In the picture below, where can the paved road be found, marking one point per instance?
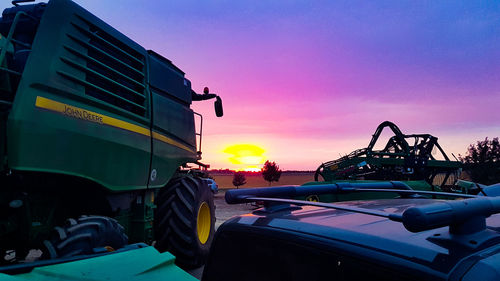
(224, 211)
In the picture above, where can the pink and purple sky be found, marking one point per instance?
(310, 80)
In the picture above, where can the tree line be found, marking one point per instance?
(270, 172)
(482, 161)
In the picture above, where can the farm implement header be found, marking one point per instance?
(404, 157)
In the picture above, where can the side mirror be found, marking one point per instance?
(219, 112)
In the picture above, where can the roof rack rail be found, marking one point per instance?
(291, 191)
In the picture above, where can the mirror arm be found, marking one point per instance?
(197, 97)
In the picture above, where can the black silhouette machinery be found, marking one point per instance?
(404, 157)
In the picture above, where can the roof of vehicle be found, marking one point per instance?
(433, 250)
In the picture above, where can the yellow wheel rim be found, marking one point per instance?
(204, 222)
(312, 198)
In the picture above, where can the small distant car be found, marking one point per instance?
(212, 184)
(407, 238)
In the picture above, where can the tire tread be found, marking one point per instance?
(81, 236)
(175, 220)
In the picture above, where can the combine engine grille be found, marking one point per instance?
(115, 73)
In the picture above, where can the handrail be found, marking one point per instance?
(9, 39)
(198, 150)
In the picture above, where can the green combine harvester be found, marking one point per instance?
(96, 138)
(417, 160)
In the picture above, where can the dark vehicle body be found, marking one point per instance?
(284, 241)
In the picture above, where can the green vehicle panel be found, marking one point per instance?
(138, 264)
(92, 72)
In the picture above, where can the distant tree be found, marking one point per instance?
(271, 172)
(239, 179)
(482, 161)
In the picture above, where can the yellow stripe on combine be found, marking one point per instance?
(90, 116)
(165, 139)
(83, 114)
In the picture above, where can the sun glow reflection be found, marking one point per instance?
(250, 157)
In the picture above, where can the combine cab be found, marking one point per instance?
(96, 138)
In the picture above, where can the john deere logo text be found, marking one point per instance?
(82, 114)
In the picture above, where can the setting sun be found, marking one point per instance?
(249, 156)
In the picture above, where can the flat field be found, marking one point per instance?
(225, 181)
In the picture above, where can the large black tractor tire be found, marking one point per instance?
(185, 220)
(82, 236)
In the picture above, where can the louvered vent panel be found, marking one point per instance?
(114, 71)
